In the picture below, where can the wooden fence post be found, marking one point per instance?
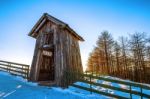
(15, 68)
(141, 92)
(22, 71)
(90, 84)
(27, 71)
(8, 68)
(86, 72)
(130, 92)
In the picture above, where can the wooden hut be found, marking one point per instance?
(57, 55)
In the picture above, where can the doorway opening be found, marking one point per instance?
(47, 71)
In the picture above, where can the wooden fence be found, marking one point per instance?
(89, 79)
(15, 68)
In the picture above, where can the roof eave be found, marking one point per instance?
(31, 33)
(74, 33)
(46, 16)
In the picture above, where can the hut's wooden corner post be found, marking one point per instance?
(67, 78)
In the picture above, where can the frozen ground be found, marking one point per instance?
(12, 87)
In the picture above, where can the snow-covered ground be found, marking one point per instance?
(127, 95)
(13, 87)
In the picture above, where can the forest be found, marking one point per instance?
(127, 57)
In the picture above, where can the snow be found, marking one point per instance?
(14, 87)
(119, 86)
(115, 85)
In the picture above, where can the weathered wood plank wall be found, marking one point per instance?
(67, 57)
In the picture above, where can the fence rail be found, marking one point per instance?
(15, 68)
(88, 78)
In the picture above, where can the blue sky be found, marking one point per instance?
(87, 17)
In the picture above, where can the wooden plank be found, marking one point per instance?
(17, 74)
(24, 75)
(22, 70)
(8, 69)
(116, 88)
(14, 63)
(4, 68)
(100, 92)
(118, 81)
(14, 67)
(66, 58)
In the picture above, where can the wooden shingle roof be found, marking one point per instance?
(42, 20)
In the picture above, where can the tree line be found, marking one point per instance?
(127, 57)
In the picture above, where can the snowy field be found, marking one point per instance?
(13, 87)
(127, 95)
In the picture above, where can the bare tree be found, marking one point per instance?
(138, 44)
(89, 63)
(105, 43)
(117, 57)
(124, 59)
(129, 59)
